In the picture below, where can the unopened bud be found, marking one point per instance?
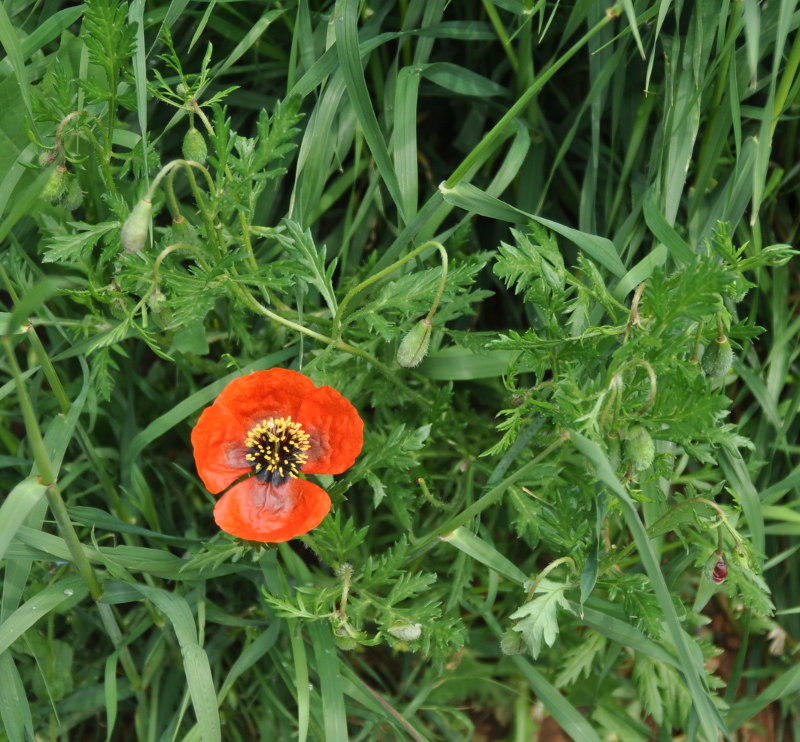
(614, 450)
(73, 198)
(194, 146)
(405, 631)
(639, 448)
(720, 570)
(512, 642)
(414, 346)
(56, 184)
(137, 225)
(717, 359)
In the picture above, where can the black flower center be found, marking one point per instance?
(276, 449)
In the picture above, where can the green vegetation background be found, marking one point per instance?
(532, 534)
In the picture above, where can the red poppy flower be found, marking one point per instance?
(273, 425)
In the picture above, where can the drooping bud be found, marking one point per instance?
(73, 198)
(194, 146)
(720, 570)
(345, 636)
(639, 448)
(46, 157)
(137, 225)
(56, 184)
(717, 359)
(405, 631)
(414, 346)
(512, 642)
(614, 450)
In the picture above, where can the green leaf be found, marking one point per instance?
(537, 620)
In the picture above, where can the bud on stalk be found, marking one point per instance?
(137, 225)
(414, 346)
(194, 146)
(639, 447)
(717, 359)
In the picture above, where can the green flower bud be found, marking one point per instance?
(717, 359)
(46, 157)
(137, 225)
(405, 631)
(614, 450)
(73, 198)
(639, 448)
(194, 146)
(56, 184)
(345, 636)
(414, 346)
(512, 642)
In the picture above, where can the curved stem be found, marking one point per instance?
(547, 570)
(337, 320)
(339, 344)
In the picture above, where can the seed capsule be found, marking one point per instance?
(720, 570)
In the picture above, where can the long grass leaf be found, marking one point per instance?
(691, 662)
(69, 590)
(334, 712)
(346, 31)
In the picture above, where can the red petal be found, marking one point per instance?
(277, 392)
(218, 441)
(336, 430)
(218, 437)
(256, 511)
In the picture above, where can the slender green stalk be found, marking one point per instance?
(48, 478)
(337, 320)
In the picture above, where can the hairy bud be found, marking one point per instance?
(717, 359)
(137, 225)
(194, 146)
(639, 448)
(414, 346)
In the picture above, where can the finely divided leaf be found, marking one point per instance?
(539, 622)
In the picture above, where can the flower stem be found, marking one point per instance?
(47, 477)
(337, 320)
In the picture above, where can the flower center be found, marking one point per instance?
(276, 449)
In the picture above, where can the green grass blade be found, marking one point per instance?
(334, 712)
(69, 590)
(15, 508)
(195, 660)
(346, 31)
(691, 661)
(474, 200)
(404, 139)
(15, 711)
(483, 552)
(10, 42)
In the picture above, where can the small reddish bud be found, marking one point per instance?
(720, 570)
